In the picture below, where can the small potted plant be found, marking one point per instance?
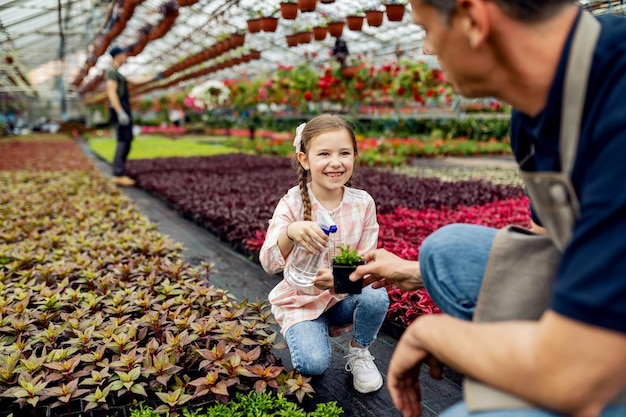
(289, 9)
(395, 10)
(254, 21)
(355, 21)
(343, 265)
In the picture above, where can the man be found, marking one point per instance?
(572, 361)
(120, 113)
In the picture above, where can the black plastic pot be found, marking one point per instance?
(342, 283)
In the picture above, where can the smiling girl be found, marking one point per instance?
(326, 152)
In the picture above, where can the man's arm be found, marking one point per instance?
(112, 95)
(142, 79)
(557, 363)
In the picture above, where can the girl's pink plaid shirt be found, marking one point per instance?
(356, 226)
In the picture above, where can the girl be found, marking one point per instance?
(326, 152)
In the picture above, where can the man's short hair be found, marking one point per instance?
(523, 10)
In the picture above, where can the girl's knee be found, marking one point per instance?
(312, 363)
(375, 299)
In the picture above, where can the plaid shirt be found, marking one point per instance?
(356, 226)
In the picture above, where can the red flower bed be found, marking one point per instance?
(403, 231)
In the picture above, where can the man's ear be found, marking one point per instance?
(475, 22)
(304, 161)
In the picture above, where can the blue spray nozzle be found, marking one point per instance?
(331, 229)
(326, 222)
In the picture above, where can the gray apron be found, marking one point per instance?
(522, 265)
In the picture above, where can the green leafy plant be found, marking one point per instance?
(252, 403)
(347, 256)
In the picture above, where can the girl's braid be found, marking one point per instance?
(304, 192)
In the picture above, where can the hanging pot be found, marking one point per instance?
(304, 37)
(307, 5)
(254, 25)
(237, 39)
(374, 17)
(319, 33)
(289, 10)
(292, 40)
(355, 22)
(269, 24)
(336, 28)
(395, 12)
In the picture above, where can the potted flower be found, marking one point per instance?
(292, 40)
(374, 17)
(355, 21)
(335, 28)
(307, 5)
(269, 23)
(320, 32)
(289, 9)
(343, 265)
(395, 10)
(254, 21)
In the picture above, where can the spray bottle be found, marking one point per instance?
(304, 265)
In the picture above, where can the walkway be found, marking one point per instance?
(246, 279)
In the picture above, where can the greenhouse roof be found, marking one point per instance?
(67, 40)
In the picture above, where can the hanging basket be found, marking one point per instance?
(374, 17)
(304, 37)
(395, 12)
(355, 22)
(289, 11)
(269, 24)
(307, 5)
(236, 40)
(292, 40)
(319, 33)
(335, 28)
(254, 25)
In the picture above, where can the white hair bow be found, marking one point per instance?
(297, 141)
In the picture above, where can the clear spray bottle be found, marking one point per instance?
(303, 266)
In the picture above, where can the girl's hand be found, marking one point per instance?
(307, 234)
(324, 279)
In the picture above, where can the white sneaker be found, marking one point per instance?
(365, 375)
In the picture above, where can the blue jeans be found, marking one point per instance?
(309, 342)
(452, 262)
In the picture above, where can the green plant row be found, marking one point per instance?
(252, 404)
(403, 127)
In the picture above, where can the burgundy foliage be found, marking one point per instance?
(234, 195)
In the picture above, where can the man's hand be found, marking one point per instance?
(122, 118)
(404, 372)
(384, 268)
